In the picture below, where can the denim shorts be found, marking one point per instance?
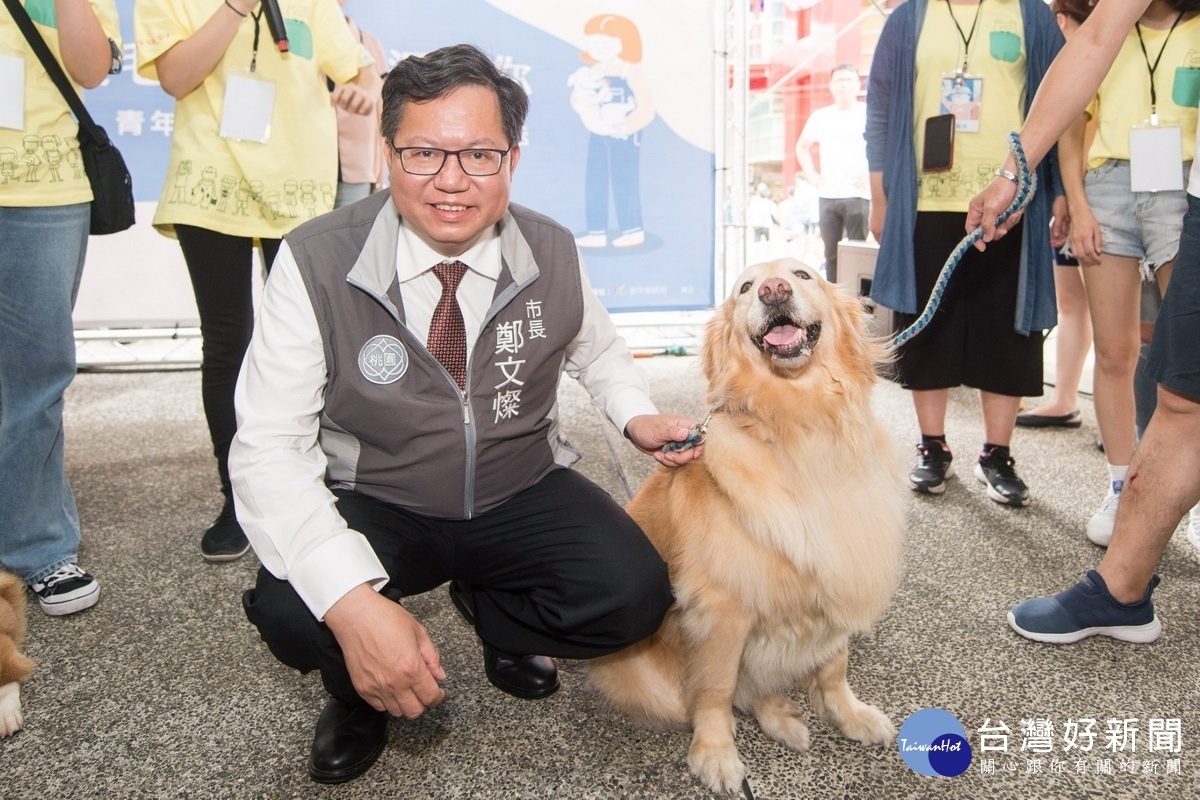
(1141, 225)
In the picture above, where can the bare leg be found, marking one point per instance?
(1163, 483)
(999, 416)
(930, 405)
(1072, 341)
(1113, 296)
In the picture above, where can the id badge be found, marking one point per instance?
(12, 92)
(962, 96)
(1155, 158)
(249, 105)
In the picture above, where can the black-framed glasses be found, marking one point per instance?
(478, 162)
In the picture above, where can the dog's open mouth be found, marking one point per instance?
(784, 337)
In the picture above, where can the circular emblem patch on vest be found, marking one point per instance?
(383, 360)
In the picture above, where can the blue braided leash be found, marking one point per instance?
(1026, 186)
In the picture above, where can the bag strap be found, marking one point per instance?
(55, 71)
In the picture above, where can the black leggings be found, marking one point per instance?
(220, 268)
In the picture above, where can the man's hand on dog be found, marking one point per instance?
(649, 432)
(393, 663)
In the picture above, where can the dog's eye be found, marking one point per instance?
(802, 275)
(745, 287)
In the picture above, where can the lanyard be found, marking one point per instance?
(254, 56)
(966, 37)
(1154, 66)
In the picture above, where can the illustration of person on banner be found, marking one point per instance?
(612, 98)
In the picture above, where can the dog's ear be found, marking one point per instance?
(719, 355)
(867, 352)
(716, 347)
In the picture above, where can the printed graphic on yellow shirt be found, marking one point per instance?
(205, 189)
(48, 158)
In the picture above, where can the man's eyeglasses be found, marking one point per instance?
(478, 162)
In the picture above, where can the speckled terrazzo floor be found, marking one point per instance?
(164, 690)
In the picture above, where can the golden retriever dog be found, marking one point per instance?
(782, 541)
(14, 667)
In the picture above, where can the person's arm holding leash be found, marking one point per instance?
(603, 365)
(1070, 83)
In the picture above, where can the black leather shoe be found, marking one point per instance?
(527, 677)
(348, 740)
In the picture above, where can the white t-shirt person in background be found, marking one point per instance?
(843, 186)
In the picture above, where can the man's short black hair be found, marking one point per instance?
(419, 79)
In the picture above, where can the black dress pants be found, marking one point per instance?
(558, 570)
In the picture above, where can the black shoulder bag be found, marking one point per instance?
(112, 188)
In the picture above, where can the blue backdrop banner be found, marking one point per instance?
(618, 145)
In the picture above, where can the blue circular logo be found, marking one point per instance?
(933, 742)
(383, 360)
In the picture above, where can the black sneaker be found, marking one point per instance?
(1003, 485)
(224, 540)
(932, 469)
(66, 590)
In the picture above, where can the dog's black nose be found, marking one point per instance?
(774, 291)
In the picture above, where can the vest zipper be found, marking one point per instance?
(469, 433)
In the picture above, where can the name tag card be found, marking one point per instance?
(962, 96)
(12, 93)
(249, 105)
(1155, 159)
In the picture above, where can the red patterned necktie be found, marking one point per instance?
(447, 333)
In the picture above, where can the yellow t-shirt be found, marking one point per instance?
(997, 54)
(1127, 88)
(244, 188)
(40, 165)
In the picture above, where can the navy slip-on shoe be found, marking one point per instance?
(1086, 609)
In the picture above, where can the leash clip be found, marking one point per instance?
(694, 438)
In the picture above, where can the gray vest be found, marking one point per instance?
(395, 426)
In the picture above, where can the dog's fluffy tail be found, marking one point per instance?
(645, 681)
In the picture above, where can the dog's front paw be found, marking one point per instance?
(781, 720)
(10, 709)
(867, 724)
(717, 765)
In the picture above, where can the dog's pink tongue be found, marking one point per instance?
(783, 335)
